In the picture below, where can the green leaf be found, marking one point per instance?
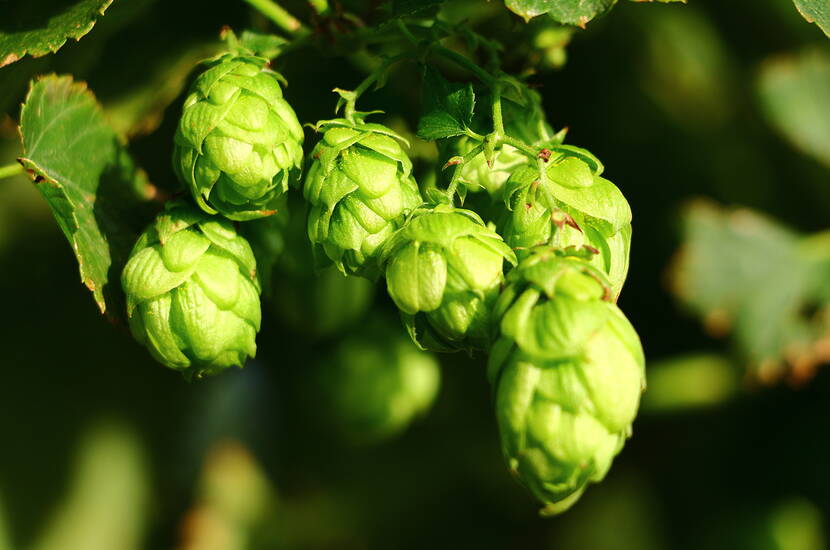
(39, 27)
(815, 11)
(568, 12)
(98, 196)
(689, 382)
(794, 94)
(745, 274)
(448, 107)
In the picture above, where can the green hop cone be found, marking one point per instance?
(568, 371)
(238, 143)
(443, 269)
(572, 206)
(192, 292)
(360, 188)
(376, 383)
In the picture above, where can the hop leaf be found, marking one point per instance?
(239, 143)
(443, 270)
(192, 292)
(360, 188)
(568, 371)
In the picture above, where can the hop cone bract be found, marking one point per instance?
(360, 189)
(568, 371)
(571, 206)
(443, 269)
(238, 142)
(192, 292)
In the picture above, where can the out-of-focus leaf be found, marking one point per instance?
(567, 12)
(687, 67)
(796, 524)
(448, 107)
(39, 27)
(815, 11)
(690, 381)
(5, 539)
(106, 506)
(744, 273)
(794, 93)
(141, 110)
(234, 495)
(89, 180)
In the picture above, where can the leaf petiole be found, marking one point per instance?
(10, 170)
(280, 16)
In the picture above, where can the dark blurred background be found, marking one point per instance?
(714, 120)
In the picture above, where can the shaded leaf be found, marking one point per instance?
(568, 12)
(39, 27)
(747, 275)
(448, 107)
(794, 94)
(88, 179)
(815, 11)
(690, 381)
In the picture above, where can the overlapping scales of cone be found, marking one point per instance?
(192, 292)
(568, 371)
(360, 189)
(444, 269)
(570, 205)
(238, 143)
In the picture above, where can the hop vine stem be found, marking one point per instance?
(10, 170)
(280, 16)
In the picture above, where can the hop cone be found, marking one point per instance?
(192, 292)
(568, 371)
(573, 206)
(444, 268)
(238, 142)
(377, 383)
(360, 189)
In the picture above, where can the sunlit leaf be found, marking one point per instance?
(89, 180)
(39, 27)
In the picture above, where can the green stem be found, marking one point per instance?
(462, 61)
(453, 186)
(521, 146)
(371, 79)
(498, 120)
(10, 170)
(407, 33)
(279, 16)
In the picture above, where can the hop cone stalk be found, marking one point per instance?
(238, 143)
(443, 269)
(523, 119)
(192, 292)
(568, 371)
(377, 383)
(360, 188)
(570, 205)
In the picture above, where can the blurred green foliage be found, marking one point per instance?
(713, 99)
